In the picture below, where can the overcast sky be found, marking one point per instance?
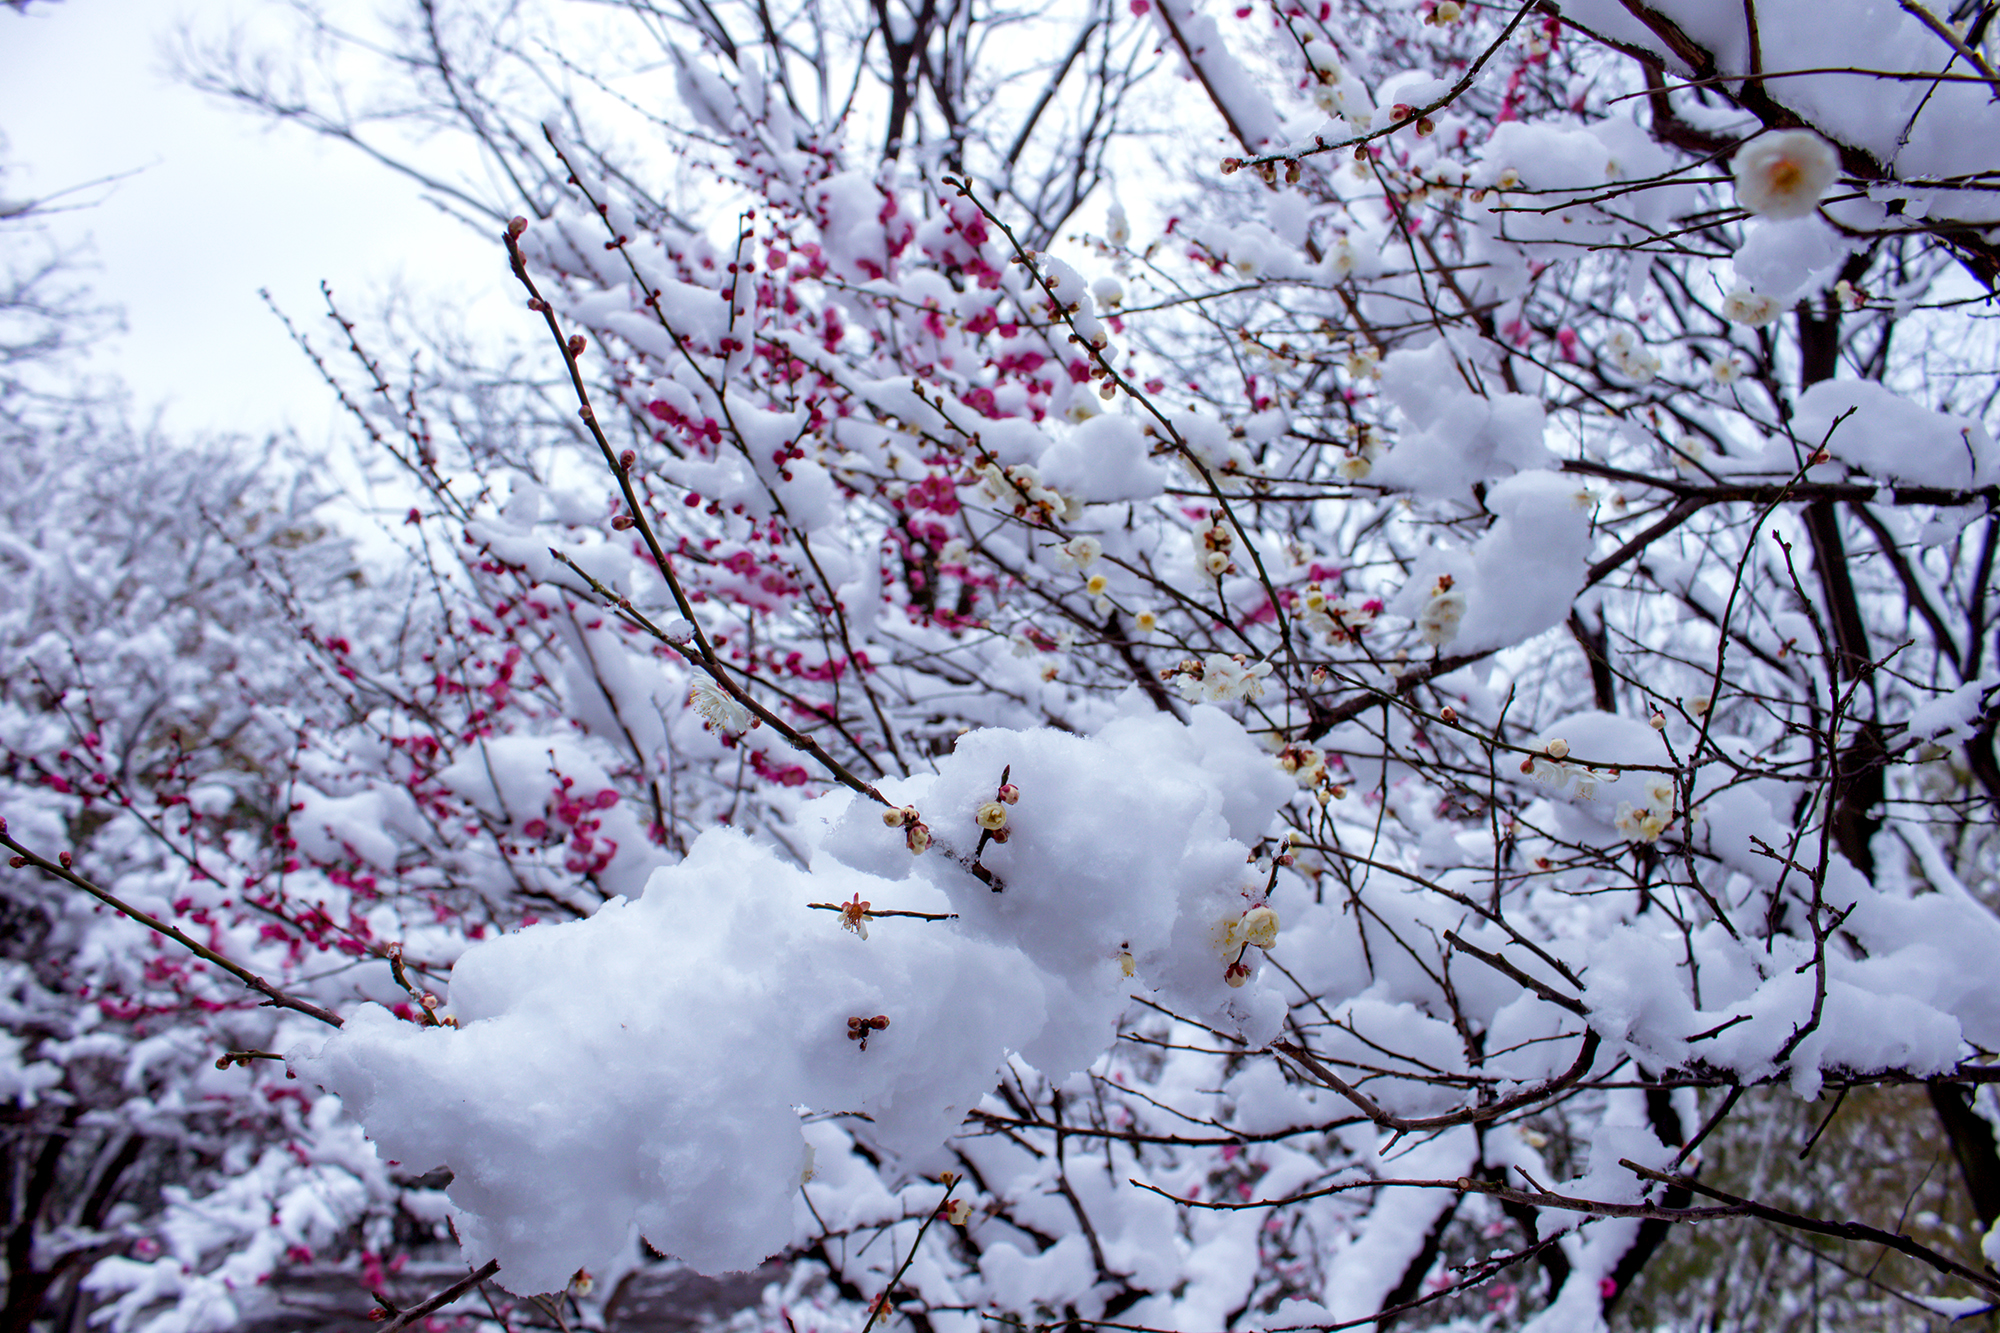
(220, 206)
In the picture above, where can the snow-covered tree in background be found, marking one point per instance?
(1053, 735)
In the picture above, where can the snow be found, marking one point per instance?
(1454, 436)
(595, 1081)
(1103, 460)
(1519, 578)
(1891, 437)
(1952, 715)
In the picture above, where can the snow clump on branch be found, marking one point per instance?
(596, 1081)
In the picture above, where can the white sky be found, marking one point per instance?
(220, 206)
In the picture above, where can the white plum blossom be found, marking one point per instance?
(1219, 679)
(1744, 306)
(1259, 927)
(717, 709)
(1117, 229)
(1079, 552)
(1335, 617)
(1437, 623)
(1784, 175)
(1020, 489)
(1647, 819)
(1689, 455)
(1633, 358)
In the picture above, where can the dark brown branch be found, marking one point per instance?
(272, 995)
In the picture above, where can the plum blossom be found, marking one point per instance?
(1743, 306)
(1437, 623)
(1784, 175)
(1336, 617)
(1079, 552)
(717, 709)
(1259, 927)
(1117, 229)
(1219, 679)
(854, 916)
(1646, 820)
(1635, 361)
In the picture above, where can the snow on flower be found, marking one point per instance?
(1784, 175)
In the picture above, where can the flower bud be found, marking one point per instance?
(1009, 793)
(918, 836)
(1557, 749)
(576, 344)
(992, 816)
(515, 226)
